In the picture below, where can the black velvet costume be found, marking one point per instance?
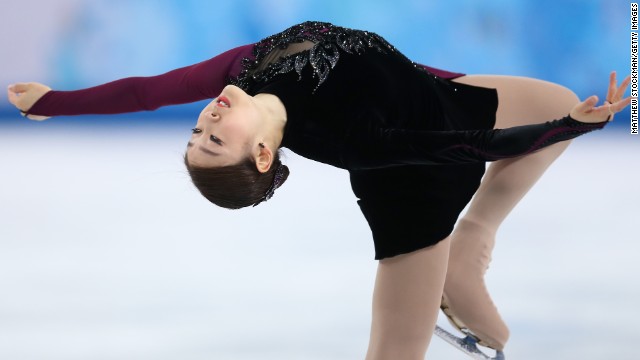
(414, 142)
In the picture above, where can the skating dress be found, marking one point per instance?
(415, 144)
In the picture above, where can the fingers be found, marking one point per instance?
(587, 111)
(14, 91)
(621, 90)
(588, 104)
(614, 93)
(602, 112)
(13, 97)
(19, 87)
(613, 108)
(619, 105)
(613, 86)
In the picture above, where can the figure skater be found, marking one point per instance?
(414, 139)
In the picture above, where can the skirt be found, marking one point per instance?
(412, 207)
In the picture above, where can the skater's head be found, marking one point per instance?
(233, 157)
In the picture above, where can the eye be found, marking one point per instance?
(196, 131)
(215, 140)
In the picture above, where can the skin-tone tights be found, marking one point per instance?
(409, 288)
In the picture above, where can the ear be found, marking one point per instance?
(264, 159)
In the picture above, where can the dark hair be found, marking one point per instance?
(235, 186)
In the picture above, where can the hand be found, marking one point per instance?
(588, 112)
(24, 95)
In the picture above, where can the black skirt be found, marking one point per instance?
(412, 207)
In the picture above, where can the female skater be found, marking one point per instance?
(414, 140)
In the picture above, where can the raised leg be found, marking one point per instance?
(521, 101)
(406, 300)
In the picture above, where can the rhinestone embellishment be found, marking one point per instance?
(323, 56)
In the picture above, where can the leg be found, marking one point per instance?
(406, 299)
(521, 101)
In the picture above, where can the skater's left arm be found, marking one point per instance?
(393, 147)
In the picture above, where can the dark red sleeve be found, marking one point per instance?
(188, 84)
(442, 73)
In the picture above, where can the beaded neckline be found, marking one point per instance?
(323, 56)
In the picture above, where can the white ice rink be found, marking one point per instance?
(107, 252)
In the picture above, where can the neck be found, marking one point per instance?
(275, 116)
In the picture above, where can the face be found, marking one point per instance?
(226, 131)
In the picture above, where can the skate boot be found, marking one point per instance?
(466, 301)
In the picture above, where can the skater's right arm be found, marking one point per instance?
(188, 84)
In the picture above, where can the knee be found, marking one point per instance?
(555, 101)
(554, 97)
(564, 96)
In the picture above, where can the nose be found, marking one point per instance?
(214, 116)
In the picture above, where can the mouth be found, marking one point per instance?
(223, 101)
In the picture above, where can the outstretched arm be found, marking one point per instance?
(392, 147)
(188, 84)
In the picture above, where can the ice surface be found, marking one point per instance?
(107, 252)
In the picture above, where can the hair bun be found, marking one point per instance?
(284, 174)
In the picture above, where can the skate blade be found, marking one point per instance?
(468, 345)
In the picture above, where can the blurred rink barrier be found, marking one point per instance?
(70, 44)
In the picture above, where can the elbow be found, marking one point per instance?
(140, 91)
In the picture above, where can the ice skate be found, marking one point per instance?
(468, 345)
(466, 301)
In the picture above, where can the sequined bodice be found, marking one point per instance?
(337, 82)
(313, 43)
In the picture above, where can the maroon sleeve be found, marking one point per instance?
(442, 73)
(188, 84)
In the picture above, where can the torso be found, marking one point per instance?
(337, 83)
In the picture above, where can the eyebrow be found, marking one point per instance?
(205, 150)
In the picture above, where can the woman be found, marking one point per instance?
(414, 139)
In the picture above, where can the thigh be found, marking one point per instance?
(523, 100)
(406, 300)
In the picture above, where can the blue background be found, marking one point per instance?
(70, 44)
